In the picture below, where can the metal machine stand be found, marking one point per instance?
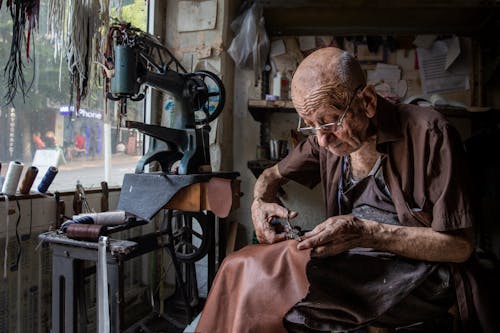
(68, 308)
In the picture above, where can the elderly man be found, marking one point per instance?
(398, 219)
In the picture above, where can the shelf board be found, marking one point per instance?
(344, 17)
(260, 109)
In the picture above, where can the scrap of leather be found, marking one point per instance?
(254, 288)
(144, 194)
(220, 196)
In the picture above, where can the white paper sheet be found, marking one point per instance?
(197, 15)
(433, 75)
(307, 42)
(277, 48)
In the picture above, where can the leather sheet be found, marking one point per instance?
(144, 194)
(254, 288)
(220, 196)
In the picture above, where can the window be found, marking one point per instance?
(44, 129)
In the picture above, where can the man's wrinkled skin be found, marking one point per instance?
(321, 87)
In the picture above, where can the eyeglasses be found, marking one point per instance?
(330, 126)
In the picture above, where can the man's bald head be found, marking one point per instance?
(327, 76)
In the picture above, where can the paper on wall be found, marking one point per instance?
(307, 42)
(277, 48)
(406, 60)
(433, 73)
(453, 51)
(202, 15)
(386, 80)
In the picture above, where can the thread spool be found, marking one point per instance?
(104, 218)
(87, 232)
(12, 178)
(82, 219)
(47, 179)
(28, 180)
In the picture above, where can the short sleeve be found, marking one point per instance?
(302, 163)
(447, 177)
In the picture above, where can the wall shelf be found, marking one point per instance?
(345, 17)
(261, 109)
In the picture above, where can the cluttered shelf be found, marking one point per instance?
(260, 109)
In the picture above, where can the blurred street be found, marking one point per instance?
(90, 172)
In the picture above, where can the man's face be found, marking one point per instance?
(346, 138)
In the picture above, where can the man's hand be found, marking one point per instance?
(262, 216)
(335, 235)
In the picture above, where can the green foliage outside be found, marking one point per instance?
(135, 13)
(42, 72)
(46, 66)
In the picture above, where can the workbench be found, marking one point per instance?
(68, 255)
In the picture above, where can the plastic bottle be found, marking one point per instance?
(285, 87)
(277, 85)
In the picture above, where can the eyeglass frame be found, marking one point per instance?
(325, 127)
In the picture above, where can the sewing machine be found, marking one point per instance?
(139, 60)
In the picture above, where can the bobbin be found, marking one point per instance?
(88, 232)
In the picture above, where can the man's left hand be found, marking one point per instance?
(335, 235)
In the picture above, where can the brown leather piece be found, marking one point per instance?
(254, 288)
(220, 196)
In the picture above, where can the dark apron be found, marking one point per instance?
(365, 286)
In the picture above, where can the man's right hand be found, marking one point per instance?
(263, 214)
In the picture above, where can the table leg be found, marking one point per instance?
(63, 294)
(116, 296)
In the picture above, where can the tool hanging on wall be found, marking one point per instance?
(24, 15)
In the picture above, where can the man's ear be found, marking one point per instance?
(369, 101)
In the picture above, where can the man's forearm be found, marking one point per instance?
(420, 243)
(268, 184)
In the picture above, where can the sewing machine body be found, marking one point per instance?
(139, 61)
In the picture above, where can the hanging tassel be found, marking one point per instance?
(24, 15)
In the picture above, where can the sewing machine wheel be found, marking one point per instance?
(212, 103)
(191, 236)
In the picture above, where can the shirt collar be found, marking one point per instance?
(388, 122)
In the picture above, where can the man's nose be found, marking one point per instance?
(323, 137)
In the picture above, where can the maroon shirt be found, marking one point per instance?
(426, 172)
(425, 167)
